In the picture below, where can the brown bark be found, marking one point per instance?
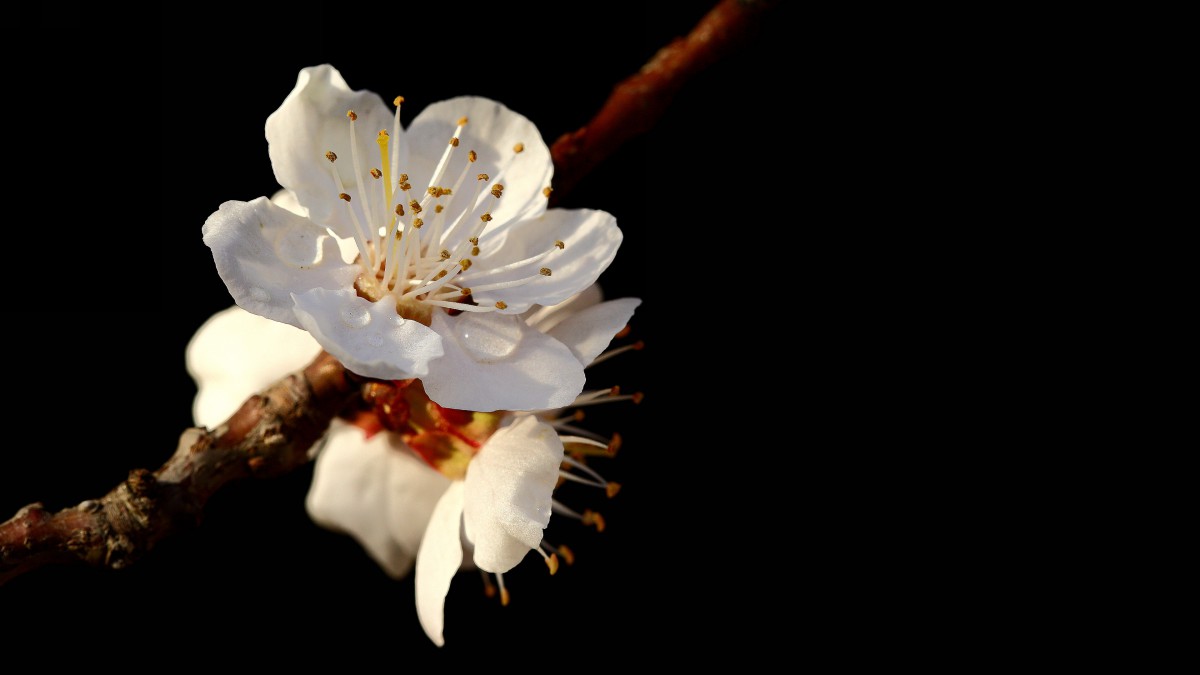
(269, 435)
(635, 104)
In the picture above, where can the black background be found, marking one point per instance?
(128, 140)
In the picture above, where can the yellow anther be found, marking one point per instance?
(590, 517)
(352, 115)
(474, 240)
(417, 223)
(545, 271)
(487, 217)
(497, 191)
(465, 290)
(399, 209)
(500, 304)
(552, 563)
(546, 192)
(519, 147)
(504, 597)
(397, 101)
(567, 554)
(376, 174)
(440, 274)
(614, 445)
(330, 156)
(612, 489)
(343, 195)
(615, 391)
(415, 206)
(462, 121)
(403, 178)
(484, 177)
(560, 245)
(454, 141)
(472, 156)
(432, 190)
(465, 263)
(405, 185)
(438, 208)
(579, 415)
(383, 134)
(474, 250)
(445, 254)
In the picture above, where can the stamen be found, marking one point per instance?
(471, 156)
(551, 561)
(636, 347)
(507, 284)
(362, 194)
(359, 232)
(590, 517)
(489, 589)
(546, 192)
(567, 554)
(518, 264)
(635, 397)
(519, 147)
(503, 590)
(562, 509)
(588, 396)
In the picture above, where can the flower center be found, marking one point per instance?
(414, 251)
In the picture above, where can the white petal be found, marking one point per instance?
(591, 240)
(369, 338)
(508, 492)
(588, 333)
(264, 253)
(545, 318)
(377, 491)
(440, 555)
(312, 121)
(494, 361)
(236, 354)
(492, 131)
(286, 199)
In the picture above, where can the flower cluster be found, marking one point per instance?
(427, 258)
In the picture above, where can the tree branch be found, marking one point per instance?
(272, 431)
(268, 436)
(635, 104)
